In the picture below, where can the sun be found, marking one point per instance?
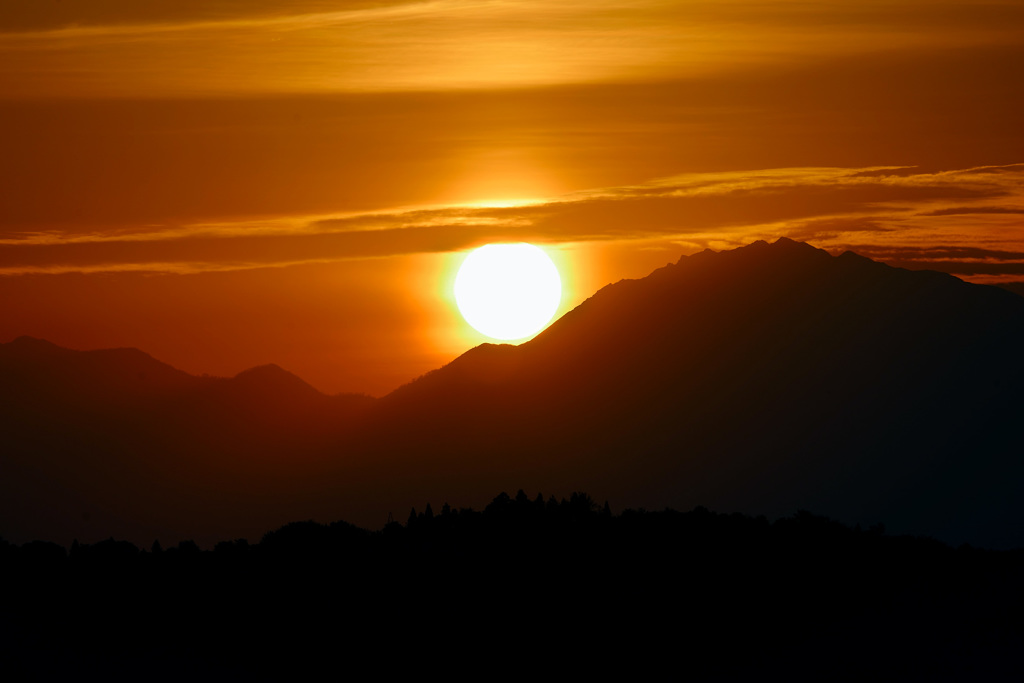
(508, 291)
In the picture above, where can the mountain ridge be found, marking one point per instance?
(652, 363)
(760, 380)
(128, 360)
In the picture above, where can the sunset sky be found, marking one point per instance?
(227, 183)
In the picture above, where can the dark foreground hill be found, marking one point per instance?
(527, 587)
(760, 380)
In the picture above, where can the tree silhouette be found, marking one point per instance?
(258, 610)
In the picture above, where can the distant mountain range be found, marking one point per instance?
(763, 380)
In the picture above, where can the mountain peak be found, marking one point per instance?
(785, 242)
(274, 377)
(853, 257)
(782, 245)
(265, 370)
(26, 342)
(762, 249)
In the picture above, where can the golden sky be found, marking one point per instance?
(224, 183)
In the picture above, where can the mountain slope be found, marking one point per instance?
(763, 379)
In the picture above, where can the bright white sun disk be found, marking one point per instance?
(508, 291)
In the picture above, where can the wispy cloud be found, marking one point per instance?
(107, 15)
(967, 221)
(453, 44)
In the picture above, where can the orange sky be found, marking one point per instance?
(225, 183)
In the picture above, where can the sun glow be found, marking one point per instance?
(508, 291)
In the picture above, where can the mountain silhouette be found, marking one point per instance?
(115, 442)
(763, 380)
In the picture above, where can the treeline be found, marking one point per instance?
(527, 584)
(507, 523)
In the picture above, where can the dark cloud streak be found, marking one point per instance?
(960, 268)
(939, 253)
(972, 210)
(41, 15)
